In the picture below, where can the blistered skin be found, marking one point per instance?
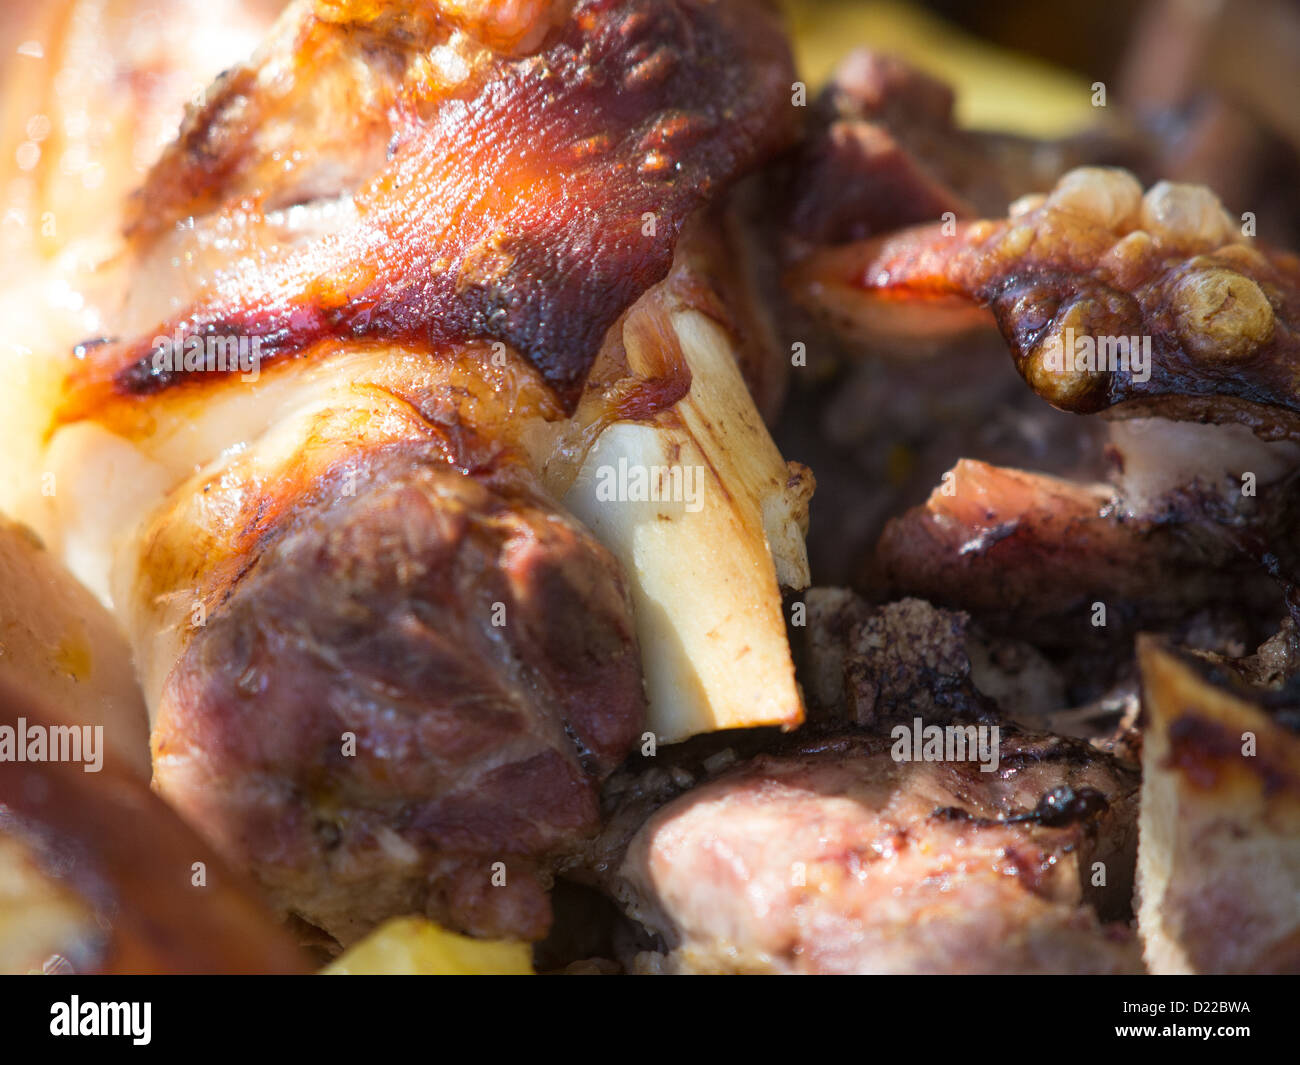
(1098, 258)
(526, 199)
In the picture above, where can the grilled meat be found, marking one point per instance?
(883, 151)
(1035, 557)
(829, 856)
(388, 629)
(408, 686)
(837, 850)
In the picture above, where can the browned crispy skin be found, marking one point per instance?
(509, 206)
(1096, 257)
(125, 864)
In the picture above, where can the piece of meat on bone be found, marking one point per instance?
(1152, 304)
(1064, 564)
(1200, 514)
(588, 152)
(1219, 848)
(374, 616)
(398, 475)
(828, 855)
(883, 151)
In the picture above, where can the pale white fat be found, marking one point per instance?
(1161, 457)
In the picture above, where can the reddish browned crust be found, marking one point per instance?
(510, 208)
(130, 858)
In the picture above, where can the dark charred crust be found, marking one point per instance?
(213, 141)
(572, 149)
(1058, 808)
(889, 663)
(1067, 752)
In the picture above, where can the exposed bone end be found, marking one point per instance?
(706, 572)
(1222, 315)
(785, 523)
(1219, 850)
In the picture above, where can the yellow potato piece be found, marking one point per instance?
(414, 946)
